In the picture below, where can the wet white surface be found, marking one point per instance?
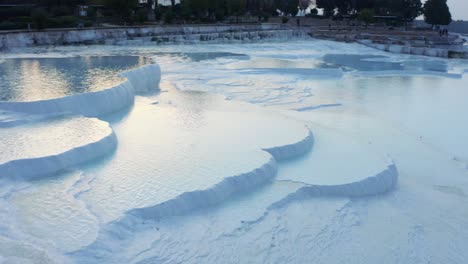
(364, 112)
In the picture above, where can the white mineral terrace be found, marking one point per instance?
(271, 152)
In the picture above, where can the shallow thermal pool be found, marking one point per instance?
(249, 153)
(31, 79)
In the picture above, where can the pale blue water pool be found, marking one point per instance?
(24, 79)
(200, 172)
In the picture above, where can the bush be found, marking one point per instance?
(337, 17)
(219, 15)
(316, 16)
(284, 20)
(24, 19)
(88, 24)
(169, 17)
(91, 12)
(39, 18)
(142, 16)
(18, 23)
(63, 21)
(60, 11)
(12, 12)
(8, 25)
(158, 14)
(107, 12)
(186, 11)
(265, 16)
(366, 16)
(67, 21)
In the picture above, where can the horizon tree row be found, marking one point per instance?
(216, 10)
(50, 13)
(436, 12)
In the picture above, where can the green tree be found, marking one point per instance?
(304, 4)
(383, 7)
(328, 7)
(142, 16)
(52, 3)
(408, 10)
(359, 5)
(123, 9)
(186, 10)
(169, 16)
(260, 7)
(199, 8)
(287, 6)
(236, 8)
(39, 18)
(343, 6)
(149, 10)
(436, 12)
(366, 15)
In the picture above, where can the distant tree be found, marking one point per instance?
(260, 8)
(142, 16)
(408, 9)
(287, 6)
(200, 8)
(304, 4)
(328, 7)
(217, 9)
(343, 6)
(436, 12)
(367, 16)
(169, 16)
(209, 10)
(236, 8)
(359, 5)
(384, 7)
(253, 6)
(149, 10)
(61, 11)
(123, 8)
(52, 3)
(268, 6)
(39, 18)
(186, 10)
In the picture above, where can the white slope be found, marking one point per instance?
(98, 103)
(186, 143)
(127, 237)
(59, 220)
(353, 161)
(418, 120)
(40, 149)
(157, 199)
(186, 152)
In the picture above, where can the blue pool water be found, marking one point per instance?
(23, 79)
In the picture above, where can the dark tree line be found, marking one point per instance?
(216, 10)
(405, 9)
(436, 12)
